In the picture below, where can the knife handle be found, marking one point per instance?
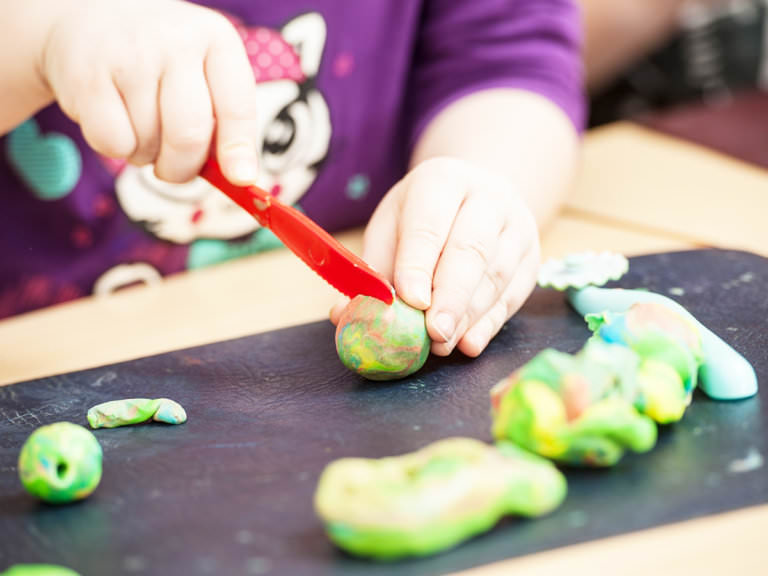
(251, 198)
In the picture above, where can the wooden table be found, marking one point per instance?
(638, 192)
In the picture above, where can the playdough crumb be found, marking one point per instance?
(135, 410)
(752, 461)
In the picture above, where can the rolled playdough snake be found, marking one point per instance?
(135, 410)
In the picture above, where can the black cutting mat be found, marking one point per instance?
(230, 492)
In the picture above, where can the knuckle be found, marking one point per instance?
(414, 271)
(475, 250)
(238, 111)
(113, 144)
(145, 153)
(447, 171)
(509, 305)
(477, 308)
(111, 148)
(499, 277)
(443, 165)
(176, 175)
(124, 73)
(454, 296)
(499, 314)
(426, 237)
(221, 26)
(195, 136)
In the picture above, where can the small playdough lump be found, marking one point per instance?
(433, 499)
(135, 410)
(60, 463)
(38, 570)
(382, 342)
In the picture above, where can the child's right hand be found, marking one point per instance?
(152, 81)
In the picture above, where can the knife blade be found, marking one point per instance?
(341, 268)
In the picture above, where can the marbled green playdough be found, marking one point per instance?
(382, 342)
(669, 350)
(574, 409)
(433, 499)
(60, 463)
(38, 570)
(638, 368)
(135, 410)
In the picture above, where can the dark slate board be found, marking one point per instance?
(231, 491)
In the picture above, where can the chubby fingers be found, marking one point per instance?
(139, 86)
(408, 230)
(494, 308)
(186, 119)
(177, 110)
(432, 196)
(233, 92)
(104, 119)
(459, 244)
(471, 261)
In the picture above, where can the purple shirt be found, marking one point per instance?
(344, 90)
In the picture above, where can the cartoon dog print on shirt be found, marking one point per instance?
(294, 133)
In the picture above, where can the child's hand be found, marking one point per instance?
(459, 243)
(145, 80)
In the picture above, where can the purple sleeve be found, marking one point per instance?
(466, 46)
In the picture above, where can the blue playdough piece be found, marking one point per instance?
(725, 374)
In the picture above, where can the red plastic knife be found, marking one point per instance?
(319, 250)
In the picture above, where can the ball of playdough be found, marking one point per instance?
(381, 341)
(60, 463)
(38, 570)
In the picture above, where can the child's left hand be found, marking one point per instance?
(461, 244)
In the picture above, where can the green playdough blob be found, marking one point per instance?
(639, 367)
(433, 499)
(576, 409)
(135, 410)
(38, 570)
(382, 342)
(60, 463)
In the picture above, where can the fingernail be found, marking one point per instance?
(445, 325)
(415, 289)
(480, 338)
(241, 163)
(420, 295)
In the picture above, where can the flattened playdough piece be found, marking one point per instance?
(382, 342)
(433, 499)
(38, 570)
(725, 374)
(135, 410)
(60, 463)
